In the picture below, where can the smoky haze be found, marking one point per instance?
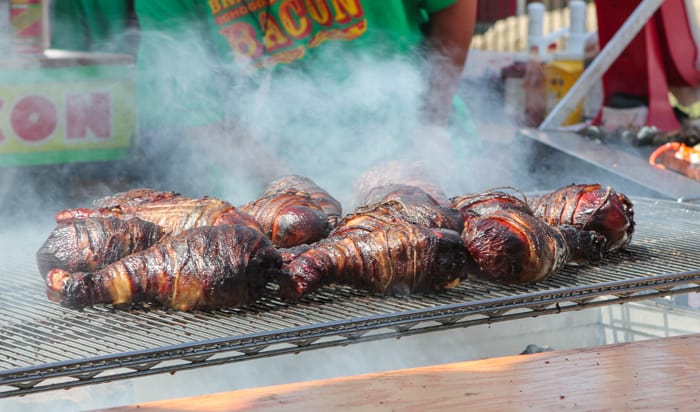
(329, 124)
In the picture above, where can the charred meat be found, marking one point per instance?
(397, 259)
(418, 206)
(172, 212)
(394, 206)
(393, 203)
(397, 173)
(330, 206)
(488, 201)
(204, 268)
(513, 247)
(289, 218)
(589, 207)
(84, 245)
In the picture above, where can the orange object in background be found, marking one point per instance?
(677, 157)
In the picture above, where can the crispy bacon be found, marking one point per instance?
(490, 200)
(510, 246)
(203, 268)
(396, 259)
(330, 206)
(91, 243)
(589, 207)
(171, 211)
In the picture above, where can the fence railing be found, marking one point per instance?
(502, 24)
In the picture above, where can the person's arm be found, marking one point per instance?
(448, 35)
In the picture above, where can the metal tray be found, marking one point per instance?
(624, 160)
(44, 346)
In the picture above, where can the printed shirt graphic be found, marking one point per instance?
(270, 32)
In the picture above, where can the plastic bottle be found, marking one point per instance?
(535, 26)
(567, 66)
(512, 79)
(534, 89)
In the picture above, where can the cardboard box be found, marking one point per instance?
(561, 76)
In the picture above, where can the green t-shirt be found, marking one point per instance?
(334, 86)
(187, 46)
(296, 31)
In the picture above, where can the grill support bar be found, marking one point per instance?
(144, 364)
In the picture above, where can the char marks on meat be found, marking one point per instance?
(397, 173)
(169, 210)
(406, 203)
(289, 218)
(396, 259)
(90, 244)
(330, 206)
(490, 200)
(203, 268)
(589, 207)
(511, 246)
(402, 243)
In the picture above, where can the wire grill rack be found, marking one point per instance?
(44, 346)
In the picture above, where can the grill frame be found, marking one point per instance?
(333, 316)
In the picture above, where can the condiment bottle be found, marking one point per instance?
(534, 89)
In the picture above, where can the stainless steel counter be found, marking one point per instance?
(626, 161)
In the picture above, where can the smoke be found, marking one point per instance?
(329, 123)
(331, 130)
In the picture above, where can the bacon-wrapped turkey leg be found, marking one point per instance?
(397, 259)
(488, 201)
(84, 245)
(289, 218)
(169, 210)
(510, 246)
(397, 173)
(364, 220)
(391, 204)
(330, 206)
(589, 207)
(417, 206)
(204, 268)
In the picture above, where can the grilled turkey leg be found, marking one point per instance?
(83, 245)
(330, 206)
(173, 212)
(203, 268)
(289, 218)
(397, 259)
(510, 246)
(589, 207)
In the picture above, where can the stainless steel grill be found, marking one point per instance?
(44, 346)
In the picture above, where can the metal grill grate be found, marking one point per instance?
(44, 346)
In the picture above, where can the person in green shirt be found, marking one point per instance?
(322, 88)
